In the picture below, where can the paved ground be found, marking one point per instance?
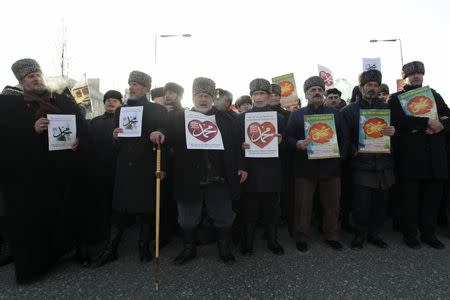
(321, 273)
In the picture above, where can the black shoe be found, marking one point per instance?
(301, 246)
(82, 255)
(335, 245)
(190, 248)
(412, 242)
(433, 242)
(108, 254)
(145, 254)
(377, 241)
(272, 243)
(224, 246)
(358, 242)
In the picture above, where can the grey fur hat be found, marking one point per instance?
(313, 81)
(370, 75)
(204, 85)
(23, 67)
(174, 87)
(140, 77)
(413, 67)
(13, 90)
(260, 84)
(275, 89)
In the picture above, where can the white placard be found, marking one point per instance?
(202, 131)
(130, 120)
(327, 76)
(371, 64)
(62, 132)
(261, 129)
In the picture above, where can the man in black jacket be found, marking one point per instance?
(173, 94)
(323, 174)
(421, 161)
(372, 174)
(203, 176)
(103, 155)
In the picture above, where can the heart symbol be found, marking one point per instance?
(327, 78)
(204, 131)
(261, 134)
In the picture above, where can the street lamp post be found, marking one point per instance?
(186, 35)
(392, 40)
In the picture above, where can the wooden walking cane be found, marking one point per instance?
(158, 186)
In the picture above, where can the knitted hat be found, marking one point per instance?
(259, 84)
(333, 91)
(204, 85)
(313, 81)
(384, 88)
(13, 90)
(174, 87)
(276, 89)
(413, 67)
(23, 67)
(157, 92)
(140, 77)
(112, 94)
(368, 76)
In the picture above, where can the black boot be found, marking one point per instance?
(272, 242)
(190, 249)
(247, 239)
(82, 254)
(5, 252)
(224, 245)
(358, 240)
(145, 253)
(109, 252)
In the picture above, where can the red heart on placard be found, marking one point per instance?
(204, 131)
(261, 134)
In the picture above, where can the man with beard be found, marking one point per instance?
(203, 177)
(323, 174)
(134, 186)
(263, 183)
(372, 174)
(421, 162)
(173, 94)
(38, 183)
(103, 155)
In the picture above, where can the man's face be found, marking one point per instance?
(221, 104)
(170, 97)
(202, 102)
(369, 91)
(274, 99)
(260, 98)
(244, 107)
(333, 100)
(314, 95)
(382, 95)
(137, 90)
(111, 104)
(159, 100)
(415, 79)
(34, 83)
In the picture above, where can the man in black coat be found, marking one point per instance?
(223, 100)
(372, 174)
(421, 161)
(38, 183)
(173, 94)
(262, 186)
(323, 174)
(203, 176)
(134, 186)
(103, 155)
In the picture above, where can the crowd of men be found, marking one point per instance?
(53, 202)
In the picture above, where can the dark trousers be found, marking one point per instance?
(419, 206)
(218, 204)
(369, 209)
(267, 203)
(330, 193)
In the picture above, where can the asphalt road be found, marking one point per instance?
(321, 273)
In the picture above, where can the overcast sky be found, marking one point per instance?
(232, 42)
